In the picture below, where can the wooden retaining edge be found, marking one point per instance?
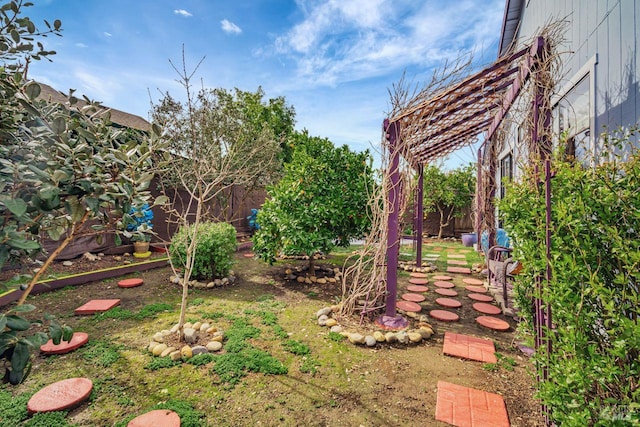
(82, 278)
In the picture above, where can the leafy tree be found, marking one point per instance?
(215, 148)
(320, 202)
(452, 191)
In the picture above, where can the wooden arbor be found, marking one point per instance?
(447, 121)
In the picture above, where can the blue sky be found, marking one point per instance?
(333, 60)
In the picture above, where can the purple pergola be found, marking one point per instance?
(450, 120)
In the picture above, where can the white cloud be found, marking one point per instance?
(229, 27)
(107, 34)
(82, 45)
(182, 12)
(349, 40)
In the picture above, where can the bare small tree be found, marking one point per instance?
(211, 154)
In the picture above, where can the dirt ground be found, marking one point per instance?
(384, 386)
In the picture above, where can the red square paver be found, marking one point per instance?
(460, 270)
(97, 305)
(468, 347)
(456, 262)
(468, 407)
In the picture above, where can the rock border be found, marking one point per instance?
(422, 330)
(192, 332)
(428, 267)
(230, 280)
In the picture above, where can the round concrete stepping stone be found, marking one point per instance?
(77, 340)
(444, 315)
(130, 283)
(471, 281)
(442, 278)
(446, 292)
(477, 289)
(417, 288)
(413, 297)
(418, 281)
(493, 323)
(418, 275)
(64, 394)
(444, 284)
(158, 417)
(485, 308)
(449, 302)
(408, 306)
(481, 297)
(248, 255)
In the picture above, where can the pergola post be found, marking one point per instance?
(419, 215)
(391, 320)
(479, 205)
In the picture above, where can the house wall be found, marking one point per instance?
(602, 32)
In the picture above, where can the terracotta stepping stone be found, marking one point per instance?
(456, 262)
(449, 302)
(456, 256)
(485, 308)
(418, 281)
(463, 406)
(493, 323)
(444, 315)
(158, 417)
(77, 340)
(459, 270)
(468, 347)
(444, 284)
(418, 275)
(417, 288)
(248, 255)
(481, 297)
(442, 278)
(413, 297)
(61, 395)
(477, 289)
(472, 281)
(408, 306)
(130, 283)
(446, 292)
(97, 305)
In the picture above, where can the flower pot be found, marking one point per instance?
(141, 247)
(468, 239)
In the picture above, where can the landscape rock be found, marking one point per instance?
(425, 332)
(157, 350)
(321, 281)
(186, 352)
(175, 355)
(379, 336)
(414, 337)
(370, 341)
(323, 312)
(337, 329)
(199, 349)
(197, 325)
(158, 337)
(300, 279)
(390, 337)
(331, 322)
(151, 346)
(403, 338)
(174, 329)
(67, 263)
(165, 332)
(211, 330)
(322, 320)
(217, 336)
(356, 338)
(90, 256)
(211, 285)
(190, 335)
(214, 346)
(167, 351)
(204, 327)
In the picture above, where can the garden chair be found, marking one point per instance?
(501, 269)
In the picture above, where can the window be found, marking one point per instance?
(572, 119)
(506, 173)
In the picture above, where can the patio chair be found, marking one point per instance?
(501, 269)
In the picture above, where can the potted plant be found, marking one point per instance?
(140, 230)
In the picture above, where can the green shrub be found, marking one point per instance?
(213, 253)
(594, 291)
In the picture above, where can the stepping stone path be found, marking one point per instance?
(413, 297)
(456, 262)
(446, 292)
(485, 308)
(468, 347)
(456, 256)
(408, 306)
(444, 284)
(130, 283)
(444, 315)
(481, 297)
(463, 406)
(96, 306)
(459, 270)
(248, 255)
(418, 275)
(448, 302)
(156, 418)
(493, 323)
(77, 340)
(61, 395)
(442, 278)
(417, 288)
(418, 281)
(472, 281)
(477, 289)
